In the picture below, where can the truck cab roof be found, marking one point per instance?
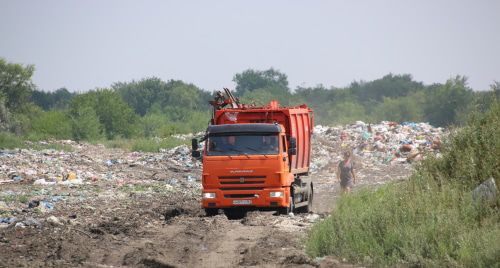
(244, 128)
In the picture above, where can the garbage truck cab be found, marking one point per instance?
(257, 157)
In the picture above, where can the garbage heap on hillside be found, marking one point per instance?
(386, 142)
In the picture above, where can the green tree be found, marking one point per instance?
(58, 99)
(24, 117)
(147, 93)
(263, 96)
(186, 96)
(388, 86)
(85, 124)
(141, 95)
(345, 112)
(408, 108)
(5, 116)
(115, 116)
(314, 96)
(250, 80)
(444, 103)
(15, 84)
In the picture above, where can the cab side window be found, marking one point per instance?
(283, 141)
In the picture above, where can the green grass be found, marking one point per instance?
(21, 198)
(10, 141)
(415, 223)
(51, 146)
(143, 144)
(24, 199)
(429, 220)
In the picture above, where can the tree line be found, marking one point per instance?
(152, 107)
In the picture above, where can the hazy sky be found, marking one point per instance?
(82, 45)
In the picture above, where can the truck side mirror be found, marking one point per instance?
(293, 146)
(194, 144)
(194, 149)
(196, 154)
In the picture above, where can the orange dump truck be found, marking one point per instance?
(256, 157)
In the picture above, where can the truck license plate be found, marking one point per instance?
(242, 202)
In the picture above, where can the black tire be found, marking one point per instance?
(211, 212)
(235, 213)
(290, 208)
(310, 196)
(310, 199)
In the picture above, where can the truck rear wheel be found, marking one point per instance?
(310, 196)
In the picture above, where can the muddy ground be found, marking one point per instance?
(151, 217)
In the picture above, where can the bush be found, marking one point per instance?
(85, 124)
(115, 117)
(430, 220)
(347, 112)
(473, 152)
(417, 224)
(53, 124)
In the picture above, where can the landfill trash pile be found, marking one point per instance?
(95, 206)
(88, 164)
(386, 143)
(36, 183)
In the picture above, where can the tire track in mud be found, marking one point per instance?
(158, 229)
(171, 231)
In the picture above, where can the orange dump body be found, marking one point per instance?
(256, 179)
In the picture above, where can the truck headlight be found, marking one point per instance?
(208, 195)
(275, 194)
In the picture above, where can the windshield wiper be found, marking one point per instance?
(238, 151)
(255, 150)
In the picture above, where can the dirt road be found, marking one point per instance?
(156, 221)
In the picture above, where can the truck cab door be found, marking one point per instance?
(284, 152)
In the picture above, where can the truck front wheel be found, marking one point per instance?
(290, 208)
(211, 212)
(235, 213)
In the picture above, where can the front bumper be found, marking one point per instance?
(246, 198)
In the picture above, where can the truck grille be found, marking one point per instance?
(242, 180)
(242, 188)
(239, 195)
(238, 177)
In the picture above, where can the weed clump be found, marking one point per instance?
(429, 220)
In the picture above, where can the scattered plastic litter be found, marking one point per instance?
(386, 143)
(43, 182)
(53, 220)
(8, 220)
(28, 222)
(486, 192)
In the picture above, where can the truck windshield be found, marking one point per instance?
(237, 144)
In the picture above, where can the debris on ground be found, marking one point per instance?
(486, 192)
(93, 206)
(385, 143)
